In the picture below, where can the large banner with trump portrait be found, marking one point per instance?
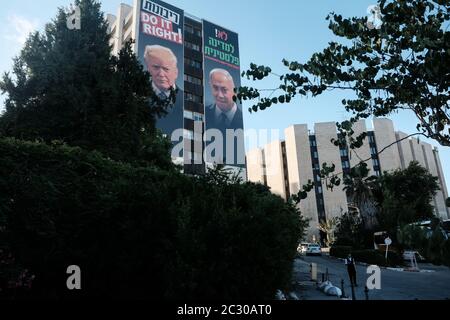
(160, 48)
(223, 113)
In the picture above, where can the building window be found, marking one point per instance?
(344, 152)
(192, 97)
(193, 115)
(192, 46)
(198, 32)
(193, 63)
(193, 80)
(345, 164)
(188, 28)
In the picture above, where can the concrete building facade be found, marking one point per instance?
(285, 166)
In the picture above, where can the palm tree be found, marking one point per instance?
(359, 188)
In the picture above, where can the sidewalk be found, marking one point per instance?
(305, 289)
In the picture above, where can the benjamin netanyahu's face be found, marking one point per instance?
(223, 91)
(163, 69)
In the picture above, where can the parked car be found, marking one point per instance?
(302, 247)
(313, 249)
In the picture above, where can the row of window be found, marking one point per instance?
(193, 63)
(193, 80)
(345, 164)
(343, 152)
(193, 97)
(375, 162)
(192, 30)
(192, 46)
(193, 115)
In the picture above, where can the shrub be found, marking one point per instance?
(435, 245)
(368, 256)
(340, 251)
(140, 232)
(378, 258)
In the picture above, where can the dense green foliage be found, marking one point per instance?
(406, 197)
(430, 242)
(140, 232)
(66, 85)
(349, 230)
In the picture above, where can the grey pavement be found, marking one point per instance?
(395, 285)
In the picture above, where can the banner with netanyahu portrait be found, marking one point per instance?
(223, 114)
(160, 48)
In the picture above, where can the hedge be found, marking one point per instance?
(340, 251)
(139, 232)
(368, 256)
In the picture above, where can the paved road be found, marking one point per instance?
(395, 285)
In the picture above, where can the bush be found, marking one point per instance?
(367, 256)
(140, 232)
(340, 251)
(436, 243)
(378, 258)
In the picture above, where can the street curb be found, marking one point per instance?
(387, 268)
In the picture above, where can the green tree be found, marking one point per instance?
(66, 85)
(407, 196)
(360, 189)
(402, 65)
(350, 230)
(137, 232)
(413, 237)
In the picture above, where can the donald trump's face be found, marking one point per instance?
(163, 68)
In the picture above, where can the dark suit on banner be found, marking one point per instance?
(173, 120)
(217, 119)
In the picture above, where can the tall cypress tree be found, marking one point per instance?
(66, 85)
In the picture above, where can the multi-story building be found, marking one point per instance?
(203, 47)
(285, 166)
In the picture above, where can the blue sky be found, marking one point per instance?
(268, 32)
